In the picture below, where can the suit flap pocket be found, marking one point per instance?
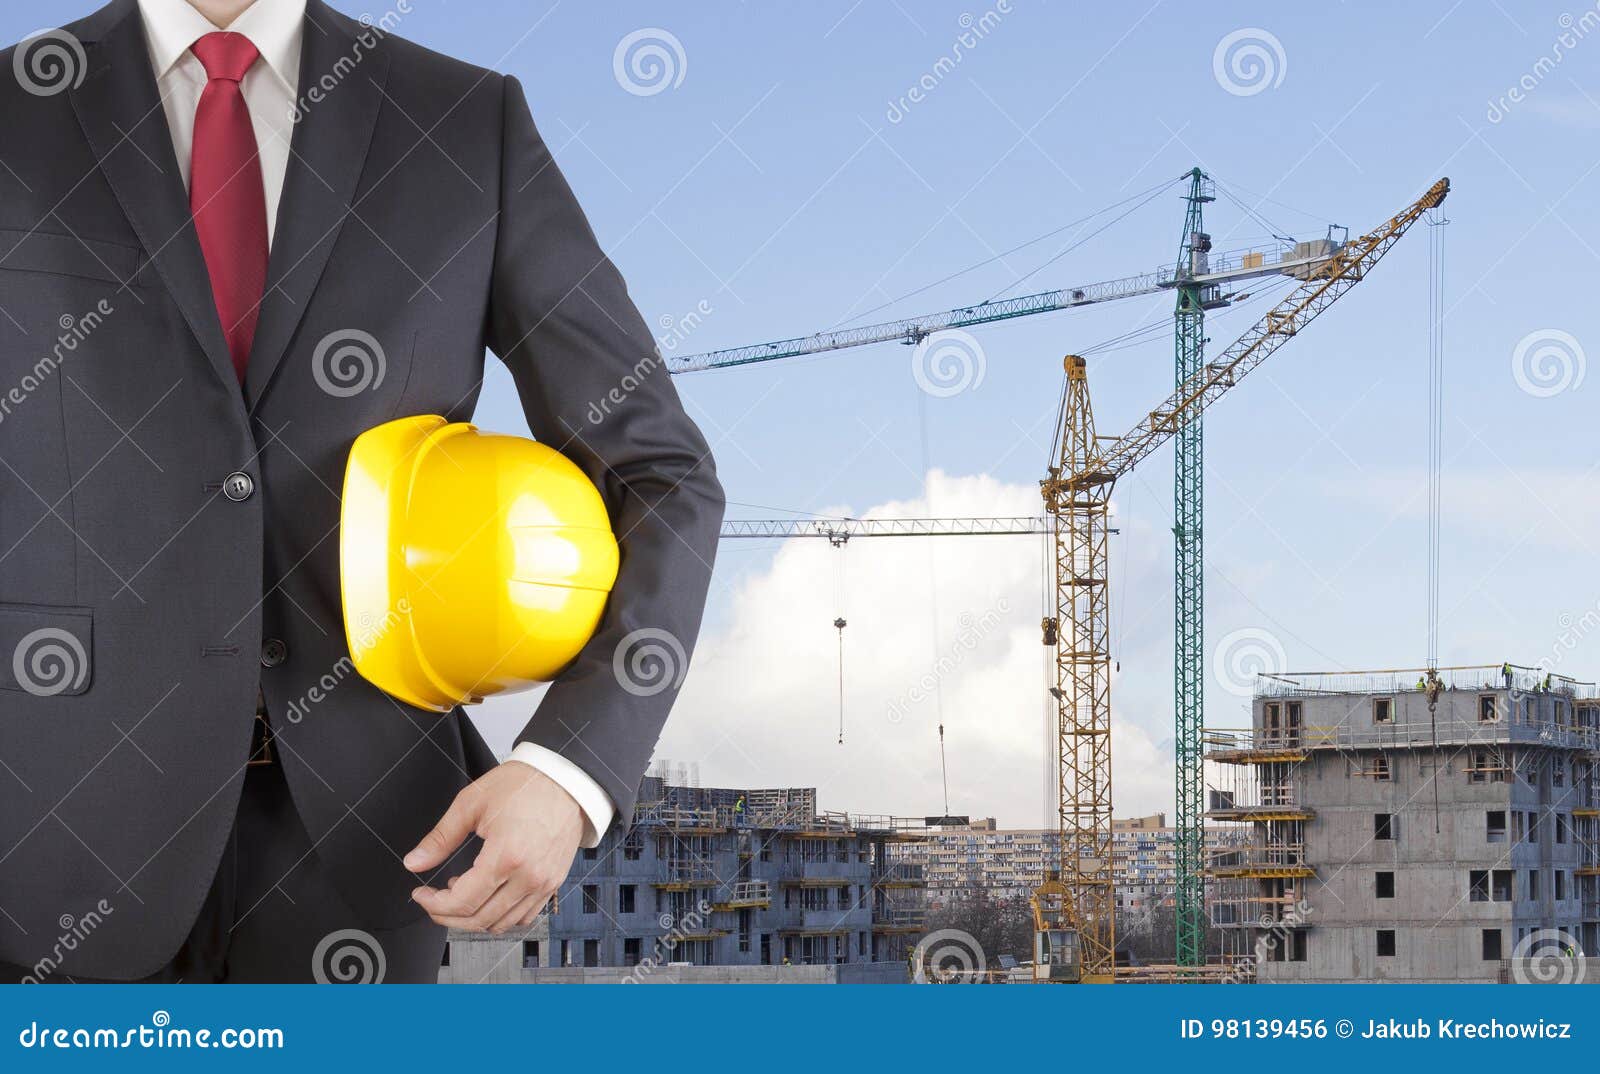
(45, 650)
(68, 255)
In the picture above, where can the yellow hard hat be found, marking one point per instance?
(470, 563)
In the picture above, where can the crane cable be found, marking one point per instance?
(1077, 242)
(933, 598)
(839, 622)
(1147, 195)
(1436, 224)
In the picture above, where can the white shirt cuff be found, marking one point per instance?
(595, 804)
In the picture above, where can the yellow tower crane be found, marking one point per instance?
(1074, 910)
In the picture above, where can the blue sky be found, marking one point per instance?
(772, 185)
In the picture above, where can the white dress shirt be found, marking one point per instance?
(276, 28)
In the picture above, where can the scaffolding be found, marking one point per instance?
(816, 851)
(1508, 722)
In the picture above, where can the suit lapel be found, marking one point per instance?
(328, 149)
(120, 111)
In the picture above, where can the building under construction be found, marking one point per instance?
(1394, 835)
(715, 876)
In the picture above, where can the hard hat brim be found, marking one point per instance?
(377, 614)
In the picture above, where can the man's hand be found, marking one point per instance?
(530, 829)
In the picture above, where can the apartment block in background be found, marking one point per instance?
(1386, 841)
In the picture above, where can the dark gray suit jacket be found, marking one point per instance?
(142, 606)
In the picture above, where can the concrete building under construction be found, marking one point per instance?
(1388, 840)
(715, 876)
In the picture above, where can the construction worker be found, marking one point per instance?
(1505, 673)
(1545, 686)
(1422, 683)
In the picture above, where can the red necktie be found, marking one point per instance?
(226, 195)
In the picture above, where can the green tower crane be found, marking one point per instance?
(1325, 269)
(1188, 635)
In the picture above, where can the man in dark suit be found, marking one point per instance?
(223, 256)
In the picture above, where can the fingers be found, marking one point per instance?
(496, 915)
(467, 895)
(522, 914)
(452, 830)
(500, 889)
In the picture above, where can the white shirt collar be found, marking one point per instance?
(274, 27)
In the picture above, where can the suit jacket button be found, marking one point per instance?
(273, 653)
(238, 486)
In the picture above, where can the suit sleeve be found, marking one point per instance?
(594, 387)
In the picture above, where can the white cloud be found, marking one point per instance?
(938, 627)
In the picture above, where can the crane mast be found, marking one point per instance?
(1077, 495)
(1188, 633)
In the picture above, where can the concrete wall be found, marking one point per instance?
(496, 960)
